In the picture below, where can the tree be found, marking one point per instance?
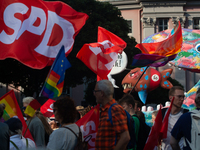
(100, 14)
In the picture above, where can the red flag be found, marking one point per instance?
(47, 108)
(89, 125)
(33, 32)
(154, 136)
(100, 57)
(165, 122)
(12, 109)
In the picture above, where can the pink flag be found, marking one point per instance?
(154, 135)
(89, 125)
(100, 57)
(33, 32)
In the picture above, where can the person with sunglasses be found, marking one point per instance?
(176, 93)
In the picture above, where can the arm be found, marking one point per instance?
(123, 141)
(174, 143)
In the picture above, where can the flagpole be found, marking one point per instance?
(139, 79)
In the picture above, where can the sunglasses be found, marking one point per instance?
(180, 96)
(24, 108)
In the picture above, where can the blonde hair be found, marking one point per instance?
(27, 99)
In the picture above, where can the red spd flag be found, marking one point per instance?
(89, 125)
(100, 57)
(47, 108)
(33, 32)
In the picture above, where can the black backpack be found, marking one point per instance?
(143, 134)
(131, 128)
(81, 145)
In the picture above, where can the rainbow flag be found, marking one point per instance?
(12, 109)
(53, 85)
(159, 53)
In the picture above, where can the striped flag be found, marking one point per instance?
(53, 85)
(12, 109)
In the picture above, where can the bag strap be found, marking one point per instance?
(73, 131)
(110, 114)
(26, 143)
(14, 145)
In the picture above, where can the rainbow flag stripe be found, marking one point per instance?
(53, 85)
(12, 109)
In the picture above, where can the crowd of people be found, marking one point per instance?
(62, 133)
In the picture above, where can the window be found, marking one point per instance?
(196, 23)
(162, 24)
(130, 25)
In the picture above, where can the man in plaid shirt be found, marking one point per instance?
(106, 134)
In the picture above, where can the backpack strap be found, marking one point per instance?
(26, 143)
(73, 131)
(110, 114)
(110, 119)
(14, 145)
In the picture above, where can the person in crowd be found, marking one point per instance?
(176, 92)
(65, 113)
(85, 110)
(46, 125)
(140, 115)
(54, 124)
(35, 125)
(138, 106)
(106, 134)
(185, 127)
(153, 115)
(4, 132)
(128, 103)
(17, 141)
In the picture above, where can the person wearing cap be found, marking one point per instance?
(35, 125)
(17, 141)
(4, 133)
(184, 129)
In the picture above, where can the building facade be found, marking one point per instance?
(147, 17)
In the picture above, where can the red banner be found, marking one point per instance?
(89, 125)
(34, 31)
(47, 108)
(100, 57)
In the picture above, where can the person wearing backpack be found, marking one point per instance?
(176, 93)
(188, 127)
(66, 137)
(115, 135)
(17, 141)
(128, 103)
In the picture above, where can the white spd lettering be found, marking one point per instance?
(50, 109)
(106, 44)
(90, 125)
(46, 25)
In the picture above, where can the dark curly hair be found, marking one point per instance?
(66, 109)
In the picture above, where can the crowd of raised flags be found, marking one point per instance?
(99, 56)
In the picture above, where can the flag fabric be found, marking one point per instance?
(164, 128)
(100, 57)
(12, 109)
(34, 105)
(158, 54)
(47, 108)
(33, 32)
(89, 125)
(154, 135)
(53, 85)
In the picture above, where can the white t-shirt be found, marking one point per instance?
(62, 138)
(20, 142)
(171, 122)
